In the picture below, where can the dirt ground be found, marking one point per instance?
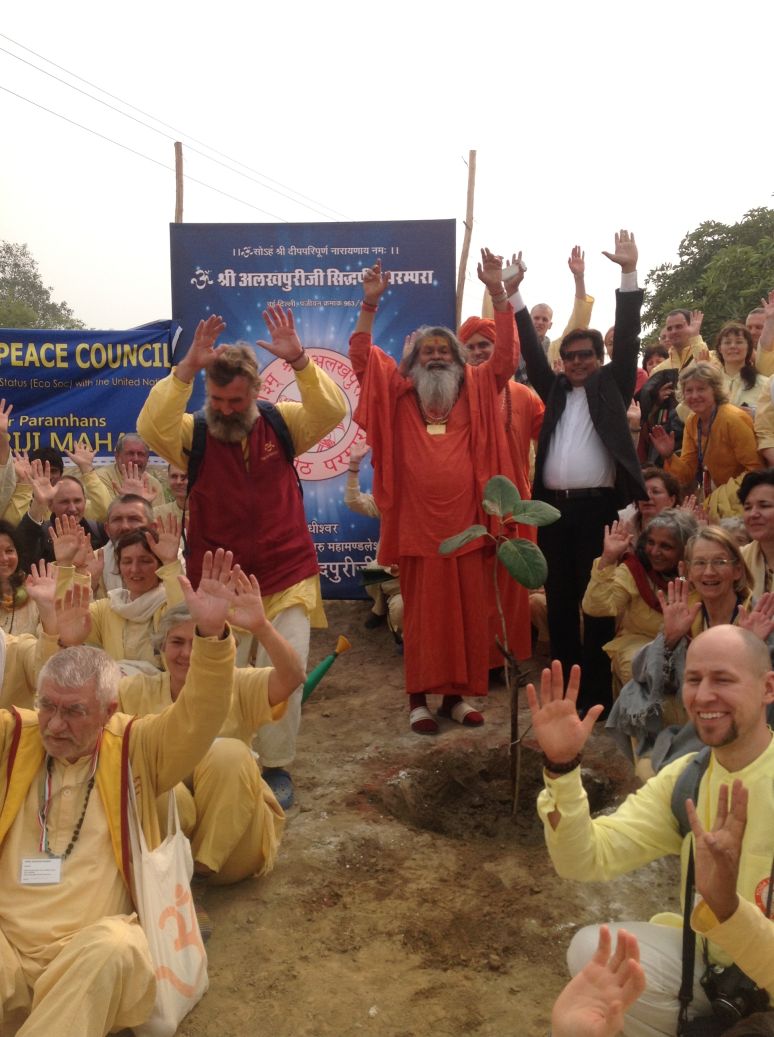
(406, 900)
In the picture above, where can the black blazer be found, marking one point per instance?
(608, 392)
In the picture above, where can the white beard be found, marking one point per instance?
(437, 387)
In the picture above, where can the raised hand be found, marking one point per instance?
(210, 602)
(558, 728)
(5, 417)
(634, 416)
(577, 262)
(717, 853)
(515, 271)
(695, 323)
(40, 586)
(202, 351)
(625, 254)
(246, 610)
(358, 452)
(164, 542)
(593, 1002)
(490, 271)
(616, 543)
(134, 481)
(375, 283)
(22, 467)
(663, 441)
(91, 562)
(43, 490)
(285, 342)
(73, 617)
(759, 619)
(767, 304)
(67, 536)
(677, 611)
(82, 457)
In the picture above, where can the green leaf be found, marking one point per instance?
(536, 513)
(524, 561)
(459, 540)
(500, 496)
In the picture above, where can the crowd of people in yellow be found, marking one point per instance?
(154, 638)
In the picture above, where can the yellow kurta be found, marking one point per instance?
(612, 592)
(24, 657)
(232, 817)
(161, 750)
(643, 829)
(730, 453)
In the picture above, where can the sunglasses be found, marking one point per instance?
(578, 354)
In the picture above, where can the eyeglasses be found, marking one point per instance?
(74, 712)
(578, 354)
(700, 564)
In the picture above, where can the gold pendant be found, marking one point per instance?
(437, 429)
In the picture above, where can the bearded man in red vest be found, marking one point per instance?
(246, 496)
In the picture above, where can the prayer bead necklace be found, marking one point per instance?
(79, 823)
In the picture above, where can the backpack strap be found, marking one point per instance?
(195, 453)
(687, 787)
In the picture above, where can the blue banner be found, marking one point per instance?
(315, 269)
(84, 387)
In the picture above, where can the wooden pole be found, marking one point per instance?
(468, 233)
(178, 182)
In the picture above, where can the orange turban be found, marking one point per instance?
(477, 326)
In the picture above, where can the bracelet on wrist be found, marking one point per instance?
(500, 297)
(300, 356)
(561, 768)
(369, 307)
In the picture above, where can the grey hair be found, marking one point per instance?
(458, 350)
(173, 617)
(709, 375)
(682, 525)
(80, 666)
(129, 437)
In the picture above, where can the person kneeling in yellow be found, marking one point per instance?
(72, 952)
(227, 810)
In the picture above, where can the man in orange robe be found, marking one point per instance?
(522, 414)
(437, 436)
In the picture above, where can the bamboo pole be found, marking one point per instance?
(468, 234)
(178, 182)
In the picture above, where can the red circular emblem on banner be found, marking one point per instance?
(330, 456)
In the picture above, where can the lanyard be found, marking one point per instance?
(700, 448)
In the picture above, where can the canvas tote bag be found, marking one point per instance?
(162, 879)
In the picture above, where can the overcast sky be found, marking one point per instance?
(586, 117)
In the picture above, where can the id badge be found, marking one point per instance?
(41, 871)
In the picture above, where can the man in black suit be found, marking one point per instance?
(586, 465)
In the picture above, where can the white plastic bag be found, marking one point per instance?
(162, 880)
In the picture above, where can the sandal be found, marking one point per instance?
(422, 721)
(463, 714)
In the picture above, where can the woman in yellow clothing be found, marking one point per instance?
(625, 583)
(649, 710)
(124, 622)
(718, 443)
(735, 351)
